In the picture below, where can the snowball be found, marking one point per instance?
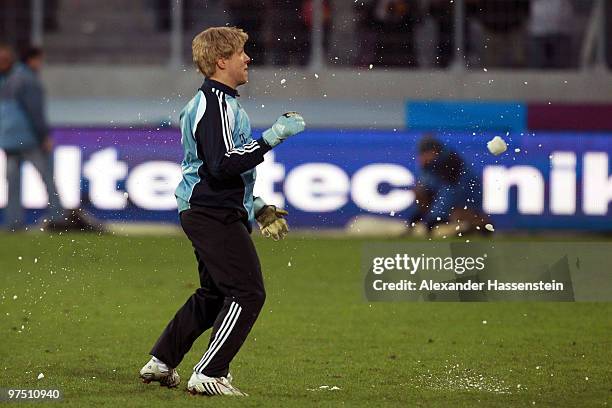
(497, 146)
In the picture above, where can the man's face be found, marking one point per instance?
(6, 59)
(36, 63)
(238, 67)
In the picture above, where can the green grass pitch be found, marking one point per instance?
(84, 310)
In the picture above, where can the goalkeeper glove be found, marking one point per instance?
(288, 124)
(271, 222)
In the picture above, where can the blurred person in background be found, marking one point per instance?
(50, 20)
(448, 194)
(16, 22)
(394, 22)
(285, 36)
(250, 15)
(443, 14)
(25, 136)
(550, 28)
(194, 13)
(162, 10)
(288, 30)
(504, 23)
(366, 33)
(24, 132)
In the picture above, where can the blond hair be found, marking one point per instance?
(214, 43)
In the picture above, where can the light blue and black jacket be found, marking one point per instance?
(220, 155)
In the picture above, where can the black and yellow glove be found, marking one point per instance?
(272, 222)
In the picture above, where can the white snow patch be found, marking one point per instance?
(497, 146)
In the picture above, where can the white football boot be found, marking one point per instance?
(167, 377)
(201, 384)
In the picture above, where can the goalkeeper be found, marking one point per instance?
(216, 207)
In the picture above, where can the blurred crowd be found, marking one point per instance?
(498, 33)
(394, 33)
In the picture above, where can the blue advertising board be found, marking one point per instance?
(466, 115)
(325, 177)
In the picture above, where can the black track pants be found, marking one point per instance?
(229, 299)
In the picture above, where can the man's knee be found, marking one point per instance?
(259, 298)
(254, 299)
